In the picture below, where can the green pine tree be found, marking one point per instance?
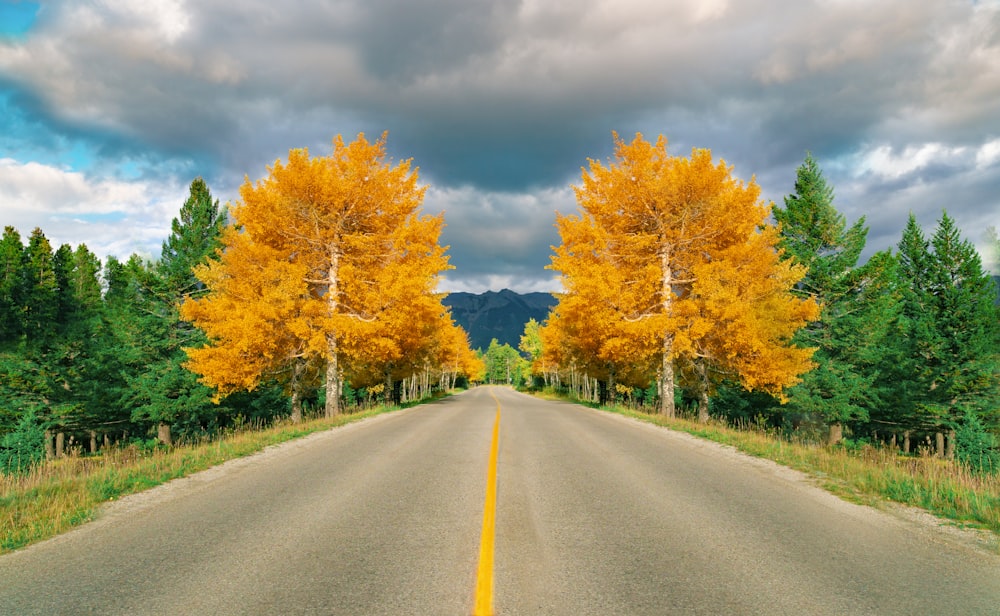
(854, 304)
(815, 234)
(946, 341)
(160, 390)
(195, 236)
(23, 447)
(12, 286)
(41, 307)
(68, 307)
(85, 282)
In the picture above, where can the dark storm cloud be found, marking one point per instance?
(501, 102)
(401, 40)
(499, 240)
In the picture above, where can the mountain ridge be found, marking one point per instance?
(497, 314)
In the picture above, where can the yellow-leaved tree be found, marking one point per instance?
(455, 356)
(329, 266)
(671, 263)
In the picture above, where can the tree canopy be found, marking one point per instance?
(329, 261)
(670, 262)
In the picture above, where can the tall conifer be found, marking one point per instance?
(194, 237)
(854, 307)
(12, 280)
(42, 289)
(946, 338)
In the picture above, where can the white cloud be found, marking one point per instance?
(519, 284)
(36, 187)
(883, 161)
(709, 10)
(168, 18)
(988, 153)
(112, 217)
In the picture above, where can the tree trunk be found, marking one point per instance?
(50, 452)
(939, 444)
(702, 390)
(163, 433)
(332, 361)
(666, 385)
(60, 444)
(93, 441)
(296, 407)
(667, 359)
(949, 451)
(298, 367)
(332, 378)
(836, 433)
(906, 441)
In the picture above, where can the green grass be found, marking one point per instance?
(867, 475)
(61, 494)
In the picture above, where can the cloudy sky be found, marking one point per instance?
(109, 108)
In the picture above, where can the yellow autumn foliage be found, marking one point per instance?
(329, 262)
(671, 261)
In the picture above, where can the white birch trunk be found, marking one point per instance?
(667, 358)
(298, 367)
(333, 366)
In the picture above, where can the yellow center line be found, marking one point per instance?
(484, 576)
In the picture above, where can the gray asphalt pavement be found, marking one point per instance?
(596, 514)
(602, 515)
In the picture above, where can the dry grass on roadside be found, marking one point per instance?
(867, 475)
(56, 496)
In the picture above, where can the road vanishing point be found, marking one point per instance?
(592, 514)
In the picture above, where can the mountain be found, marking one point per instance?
(499, 315)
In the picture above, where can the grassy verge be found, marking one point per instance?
(868, 475)
(56, 496)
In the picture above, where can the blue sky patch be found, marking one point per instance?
(26, 137)
(98, 218)
(16, 18)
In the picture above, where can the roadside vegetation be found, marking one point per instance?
(861, 472)
(52, 497)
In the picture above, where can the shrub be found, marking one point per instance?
(24, 447)
(975, 446)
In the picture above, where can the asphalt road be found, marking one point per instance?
(595, 514)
